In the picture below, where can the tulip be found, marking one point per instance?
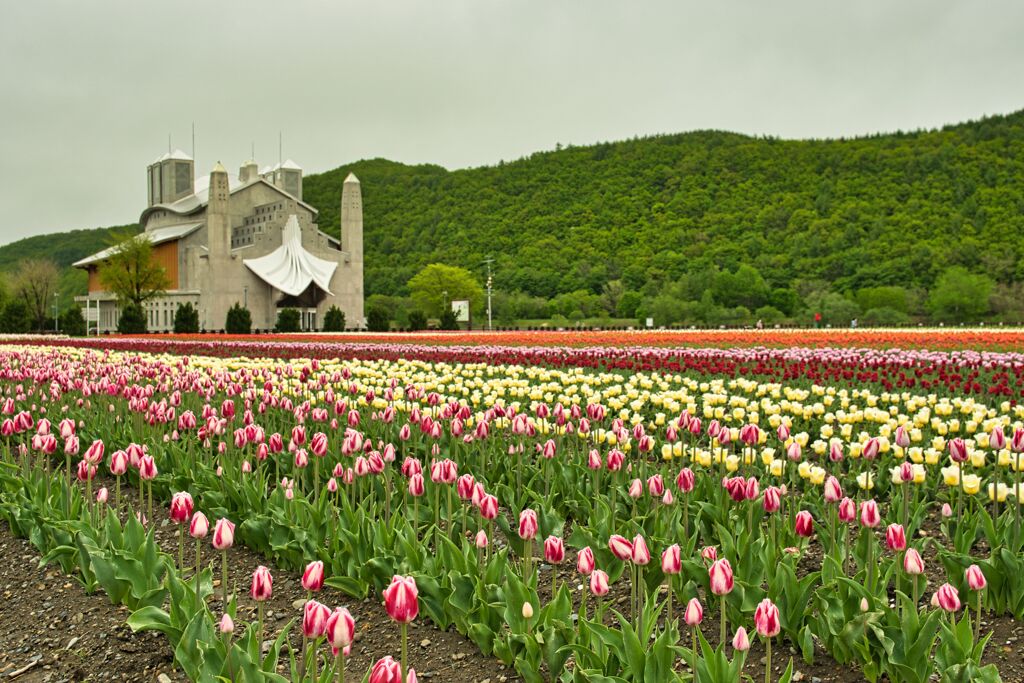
(766, 621)
(554, 553)
(833, 492)
(401, 601)
(869, 514)
(976, 582)
(709, 553)
(313, 576)
(740, 641)
(226, 626)
(340, 630)
(847, 510)
(895, 538)
(386, 670)
(694, 613)
(636, 489)
(948, 598)
(772, 500)
(671, 559)
(599, 583)
(585, 561)
(224, 538)
(481, 539)
(804, 524)
(621, 547)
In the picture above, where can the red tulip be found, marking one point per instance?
(948, 598)
(315, 617)
(912, 562)
(997, 439)
(685, 480)
(386, 670)
(554, 550)
(85, 470)
(615, 460)
(871, 448)
(313, 576)
(804, 525)
(118, 463)
(318, 445)
(620, 547)
(527, 524)
(895, 538)
(223, 534)
(181, 507)
(340, 628)
(401, 599)
(598, 583)
(847, 510)
(464, 486)
(869, 515)
(833, 490)
(782, 432)
(585, 561)
(641, 555)
(262, 584)
(147, 468)
(671, 560)
(772, 500)
(1017, 442)
(975, 578)
(709, 553)
(199, 526)
(416, 485)
(958, 450)
(766, 619)
(721, 577)
(752, 489)
(94, 453)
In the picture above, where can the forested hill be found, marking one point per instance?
(654, 212)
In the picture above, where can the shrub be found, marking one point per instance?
(72, 323)
(377, 320)
(885, 317)
(239, 320)
(334, 320)
(417, 321)
(287, 320)
(186, 319)
(448, 320)
(132, 320)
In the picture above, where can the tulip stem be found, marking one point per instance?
(723, 626)
(914, 590)
(224, 577)
(259, 632)
(339, 665)
(1017, 503)
(641, 598)
(67, 464)
(668, 611)
(405, 650)
(768, 661)
(181, 547)
(868, 569)
(693, 631)
(117, 493)
(977, 623)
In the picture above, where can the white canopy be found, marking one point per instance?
(290, 268)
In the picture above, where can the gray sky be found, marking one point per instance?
(92, 89)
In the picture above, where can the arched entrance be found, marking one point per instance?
(306, 304)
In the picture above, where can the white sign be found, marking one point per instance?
(650, 322)
(460, 307)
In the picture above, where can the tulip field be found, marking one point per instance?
(330, 510)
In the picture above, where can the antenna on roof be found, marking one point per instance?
(252, 150)
(193, 142)
(168, 143)
(279, 147)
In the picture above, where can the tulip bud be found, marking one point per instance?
(313, 576)
(694, 613)
(721, 577)
(975, 578)
(226, 624)
(481, 539)
(671, 560)
(947, 597)
(262, 584)
(804, 525)
(895, 537)
(598, 583)
(223, 534)
(585, 561)
(740, 642)
(766, 619)
(913, 564)
(527, 611)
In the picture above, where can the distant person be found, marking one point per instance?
(817, 320)
(853, 324)
(760, 324)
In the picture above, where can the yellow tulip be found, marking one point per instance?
(971, 484)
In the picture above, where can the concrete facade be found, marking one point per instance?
(207, 233)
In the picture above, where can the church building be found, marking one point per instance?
(249, 239)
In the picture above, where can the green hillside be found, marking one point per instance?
(676, 216)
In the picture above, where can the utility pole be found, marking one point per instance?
(490, 281)
(56, 323)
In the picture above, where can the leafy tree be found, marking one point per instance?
(186, 319)
(417, 321)
(15, 318)
(628, 304)
(448, 320)
(131, 274)
(960, 296)
(72, 322)
(437, 285)
(238, 321)
(334, 320)
(884, 317)
(893, 298)
(132, 319)
(377, 319)
(611, 295)
(288, 320)
(35, 282)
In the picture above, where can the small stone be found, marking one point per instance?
(163, 678)
(798, 676)
(425, 642)
(71, 643)
(299, 604)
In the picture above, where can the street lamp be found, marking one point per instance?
(245, 296)
(56, 324)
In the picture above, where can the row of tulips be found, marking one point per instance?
(572, 489)
(958, 372)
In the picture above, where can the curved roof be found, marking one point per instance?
(290, 268)
(192, 203)
(158, 236)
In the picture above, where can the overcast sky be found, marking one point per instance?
(91, 90)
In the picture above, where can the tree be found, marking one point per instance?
(377, 319)
(35, 282)
(334, 320)
(186, 319)
(611, 295)
(960, 296)
(287, 320)
(417, 321)
(15, 318)
(132, 319)
(131, 274)
(448, 320)
(239, 320)
(72, 323)
(436, 286)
